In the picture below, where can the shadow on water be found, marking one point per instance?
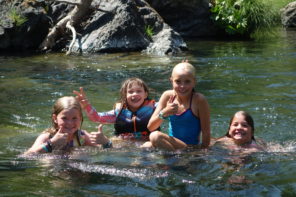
(258, 77)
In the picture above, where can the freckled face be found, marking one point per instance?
(183, 82)
(240, 131)
(135, 96)
(69, 120)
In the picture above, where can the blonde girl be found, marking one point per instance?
(65, 132)
(186, 110)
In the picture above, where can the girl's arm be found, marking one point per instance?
(155, 120)
(40, 144)
(204, 116)
(92, 114)
(45, 144)
(101, 117)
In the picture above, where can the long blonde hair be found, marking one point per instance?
(66, 102)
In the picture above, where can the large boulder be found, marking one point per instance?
(22, 26)
(190, 18)
(289, 15)
(121, 25)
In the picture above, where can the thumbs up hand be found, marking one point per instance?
(98, 137)
(171, 107)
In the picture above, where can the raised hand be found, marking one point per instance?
(81, 97)
(171, 107)
(98, 137)
(60, 139)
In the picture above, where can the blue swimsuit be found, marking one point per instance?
(185, 126)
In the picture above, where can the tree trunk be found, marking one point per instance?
(74, 17)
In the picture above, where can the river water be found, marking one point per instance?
(255, 76)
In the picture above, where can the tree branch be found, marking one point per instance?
(69, 26)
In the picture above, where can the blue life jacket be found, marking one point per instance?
(128, 122)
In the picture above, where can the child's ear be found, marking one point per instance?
(54, 118)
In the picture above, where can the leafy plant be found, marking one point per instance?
(17, 18)
(149, 31)
(244, 17)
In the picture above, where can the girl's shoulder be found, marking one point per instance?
(223, 139)
(198, 96)
(168, 93)
(44, 136)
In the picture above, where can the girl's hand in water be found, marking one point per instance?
(171, 107)
(98, 137)
(81, 97)
(60, 139)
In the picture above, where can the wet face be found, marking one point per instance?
(135, 96)
(240, 131)
(69, 120)
(182, 81)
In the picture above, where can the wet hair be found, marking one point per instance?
(185, 66)
(248, 119)
(66, 102)
(127, 84)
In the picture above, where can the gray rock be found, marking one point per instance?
(122, 28)
(289, 15)
(190, 18)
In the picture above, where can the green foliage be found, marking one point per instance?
(149, 31)
(278, 4)
(244, 17)
(17, 18)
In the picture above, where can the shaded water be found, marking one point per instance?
(258, 77)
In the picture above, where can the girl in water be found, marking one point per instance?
(187, 111)
(65, 132)
(240, 134)
(130, 115)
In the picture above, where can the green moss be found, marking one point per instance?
(149, 31)
(16, 17)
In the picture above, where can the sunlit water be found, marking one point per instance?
(258, 77)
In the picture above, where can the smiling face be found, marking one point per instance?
(68, 119)
(183, 79)
(240, 130)
(135, 96)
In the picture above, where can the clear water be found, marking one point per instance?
(259, 77)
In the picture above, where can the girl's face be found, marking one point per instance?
(240, 131)
(69, 120)
(135, 96)
(183, 82)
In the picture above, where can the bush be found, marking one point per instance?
(244, 17)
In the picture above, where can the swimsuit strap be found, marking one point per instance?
(78, 138)
(191, 100)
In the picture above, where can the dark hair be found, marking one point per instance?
(127, 84)
(248, 119)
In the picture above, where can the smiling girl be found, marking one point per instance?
(65, 132)
(130, 115)
(187, 111)
(240, 134)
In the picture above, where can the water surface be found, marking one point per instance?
(256, 76)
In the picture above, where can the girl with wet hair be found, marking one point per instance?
(130, 115)
(240, 133)
(66, 132)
